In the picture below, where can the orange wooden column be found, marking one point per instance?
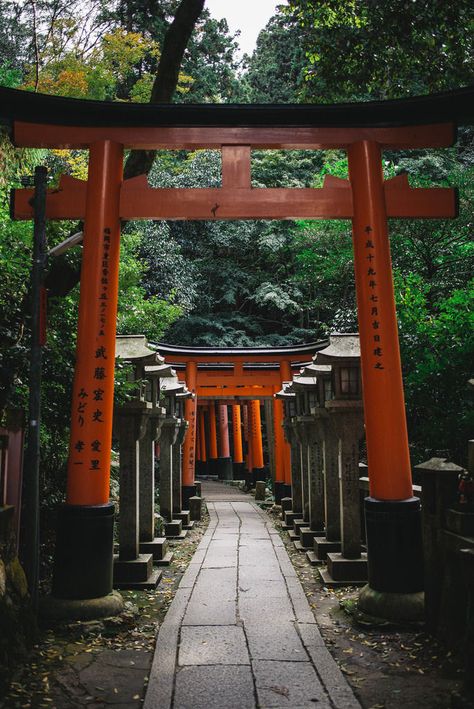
(84, 539)
(237, 434)
(189, 445)
(93, 390)
(392, 514)
(224, 447)
(286, 376)
(256, 435)
(279, 441)
(224, 469)
(384, 405)
(202, 435)
(212, 432)
(245, 427)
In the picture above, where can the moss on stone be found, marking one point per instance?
(16, 576)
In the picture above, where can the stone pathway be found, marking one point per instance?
(240, 633)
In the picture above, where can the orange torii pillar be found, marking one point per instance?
(392, 513)
(282, 448)
(224, 462)
(238, 457)
(255, 433)
(84, 547)
(245, 446)
(281, 489)
(189, 445)
(213, 455)
(202, 441)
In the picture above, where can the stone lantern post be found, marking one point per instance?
(158, 546)
(312, 448)
(289, 514)
(177, 461)
(132, 568)
(324, 455)
(173, 528)
(347, 424)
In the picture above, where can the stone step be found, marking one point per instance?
(347, 570)
(322, 546)
(135, 573)
(166, 560)
(328, 580)
(293, 536)
(312, 558)
(298, 546)
(183, 516)
(298, 524)
(158, 547)
(307, 536)
(290, 517)
(174, 529)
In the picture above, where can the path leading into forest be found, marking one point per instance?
(240, 633)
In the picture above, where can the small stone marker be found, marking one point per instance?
(260, 487)
(195, 508)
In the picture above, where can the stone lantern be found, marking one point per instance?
(171, 427)
(346, 423)
(132, 568)
(158, 546)
(177, 461)
(310, 435)
(326, 442)
(288, 396)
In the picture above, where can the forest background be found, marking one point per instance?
(253, 282)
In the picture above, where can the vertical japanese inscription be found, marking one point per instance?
(88, 409)
(374, 300)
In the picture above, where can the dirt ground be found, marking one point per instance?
(388, 667)
(102, 663)
(106, 663)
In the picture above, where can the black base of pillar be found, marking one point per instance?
(212, 466)
(224, 468)
(248, 479)
(188, 491)
(83, 558)
(258, 474)
(286, 490)
(238, 471)
(279, 490)
(394, 545)
(202, 468)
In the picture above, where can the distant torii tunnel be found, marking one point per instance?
(364, 131)
(240, 378)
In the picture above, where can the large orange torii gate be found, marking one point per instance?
(237, 374)
(364, 131)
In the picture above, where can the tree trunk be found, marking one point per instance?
(177, 36)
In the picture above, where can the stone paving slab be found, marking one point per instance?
(240, 633)
(213, 687)
(213, 645)
(289, 684)
(275, 642)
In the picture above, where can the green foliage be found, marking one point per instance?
(275, 70)
(363, 49)
(139, 314)
(437, 352)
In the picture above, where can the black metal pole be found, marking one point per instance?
(31, 526)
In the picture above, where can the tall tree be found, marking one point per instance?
(373, 49)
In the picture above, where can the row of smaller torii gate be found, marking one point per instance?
(313, 426)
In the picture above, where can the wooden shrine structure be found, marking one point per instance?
(364, 131)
